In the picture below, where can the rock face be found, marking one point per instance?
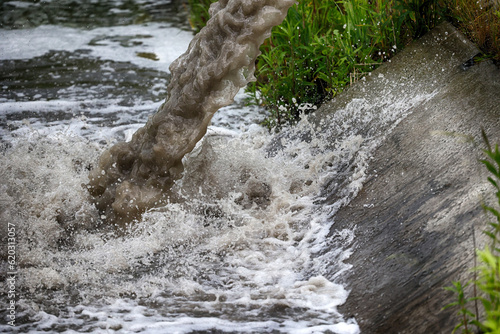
(415, 217)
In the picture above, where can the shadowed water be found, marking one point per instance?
(91, 14)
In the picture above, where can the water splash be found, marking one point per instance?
(243, 254)
(134, 176)
(236, 255)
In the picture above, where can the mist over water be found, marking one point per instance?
(241, 246)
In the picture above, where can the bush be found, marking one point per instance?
(320, 48)
(324, 45)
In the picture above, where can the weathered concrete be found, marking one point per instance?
(416, 213)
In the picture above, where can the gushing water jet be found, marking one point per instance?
(134, 176)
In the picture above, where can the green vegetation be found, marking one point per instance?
(325, 45)
(198, 13)
(488, 272)
(321, 47)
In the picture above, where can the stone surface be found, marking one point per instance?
(415, 217)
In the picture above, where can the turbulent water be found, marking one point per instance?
(242, 246)
(134, 176)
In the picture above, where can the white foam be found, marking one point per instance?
(129, 317)
(251, 259)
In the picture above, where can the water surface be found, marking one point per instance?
(242, 246)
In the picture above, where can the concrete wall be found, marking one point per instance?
(416, 214)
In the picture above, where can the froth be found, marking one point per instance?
(243, 238)
(238, 237)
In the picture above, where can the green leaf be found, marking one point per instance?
(491, 168)
(494, 183)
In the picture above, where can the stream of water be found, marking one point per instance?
(243, 246)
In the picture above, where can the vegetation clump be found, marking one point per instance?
(480, 22)
(321, 47)
(325, 45)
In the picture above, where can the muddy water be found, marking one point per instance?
(237, 248)
(135, 176)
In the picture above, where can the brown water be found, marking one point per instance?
(134, 176)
